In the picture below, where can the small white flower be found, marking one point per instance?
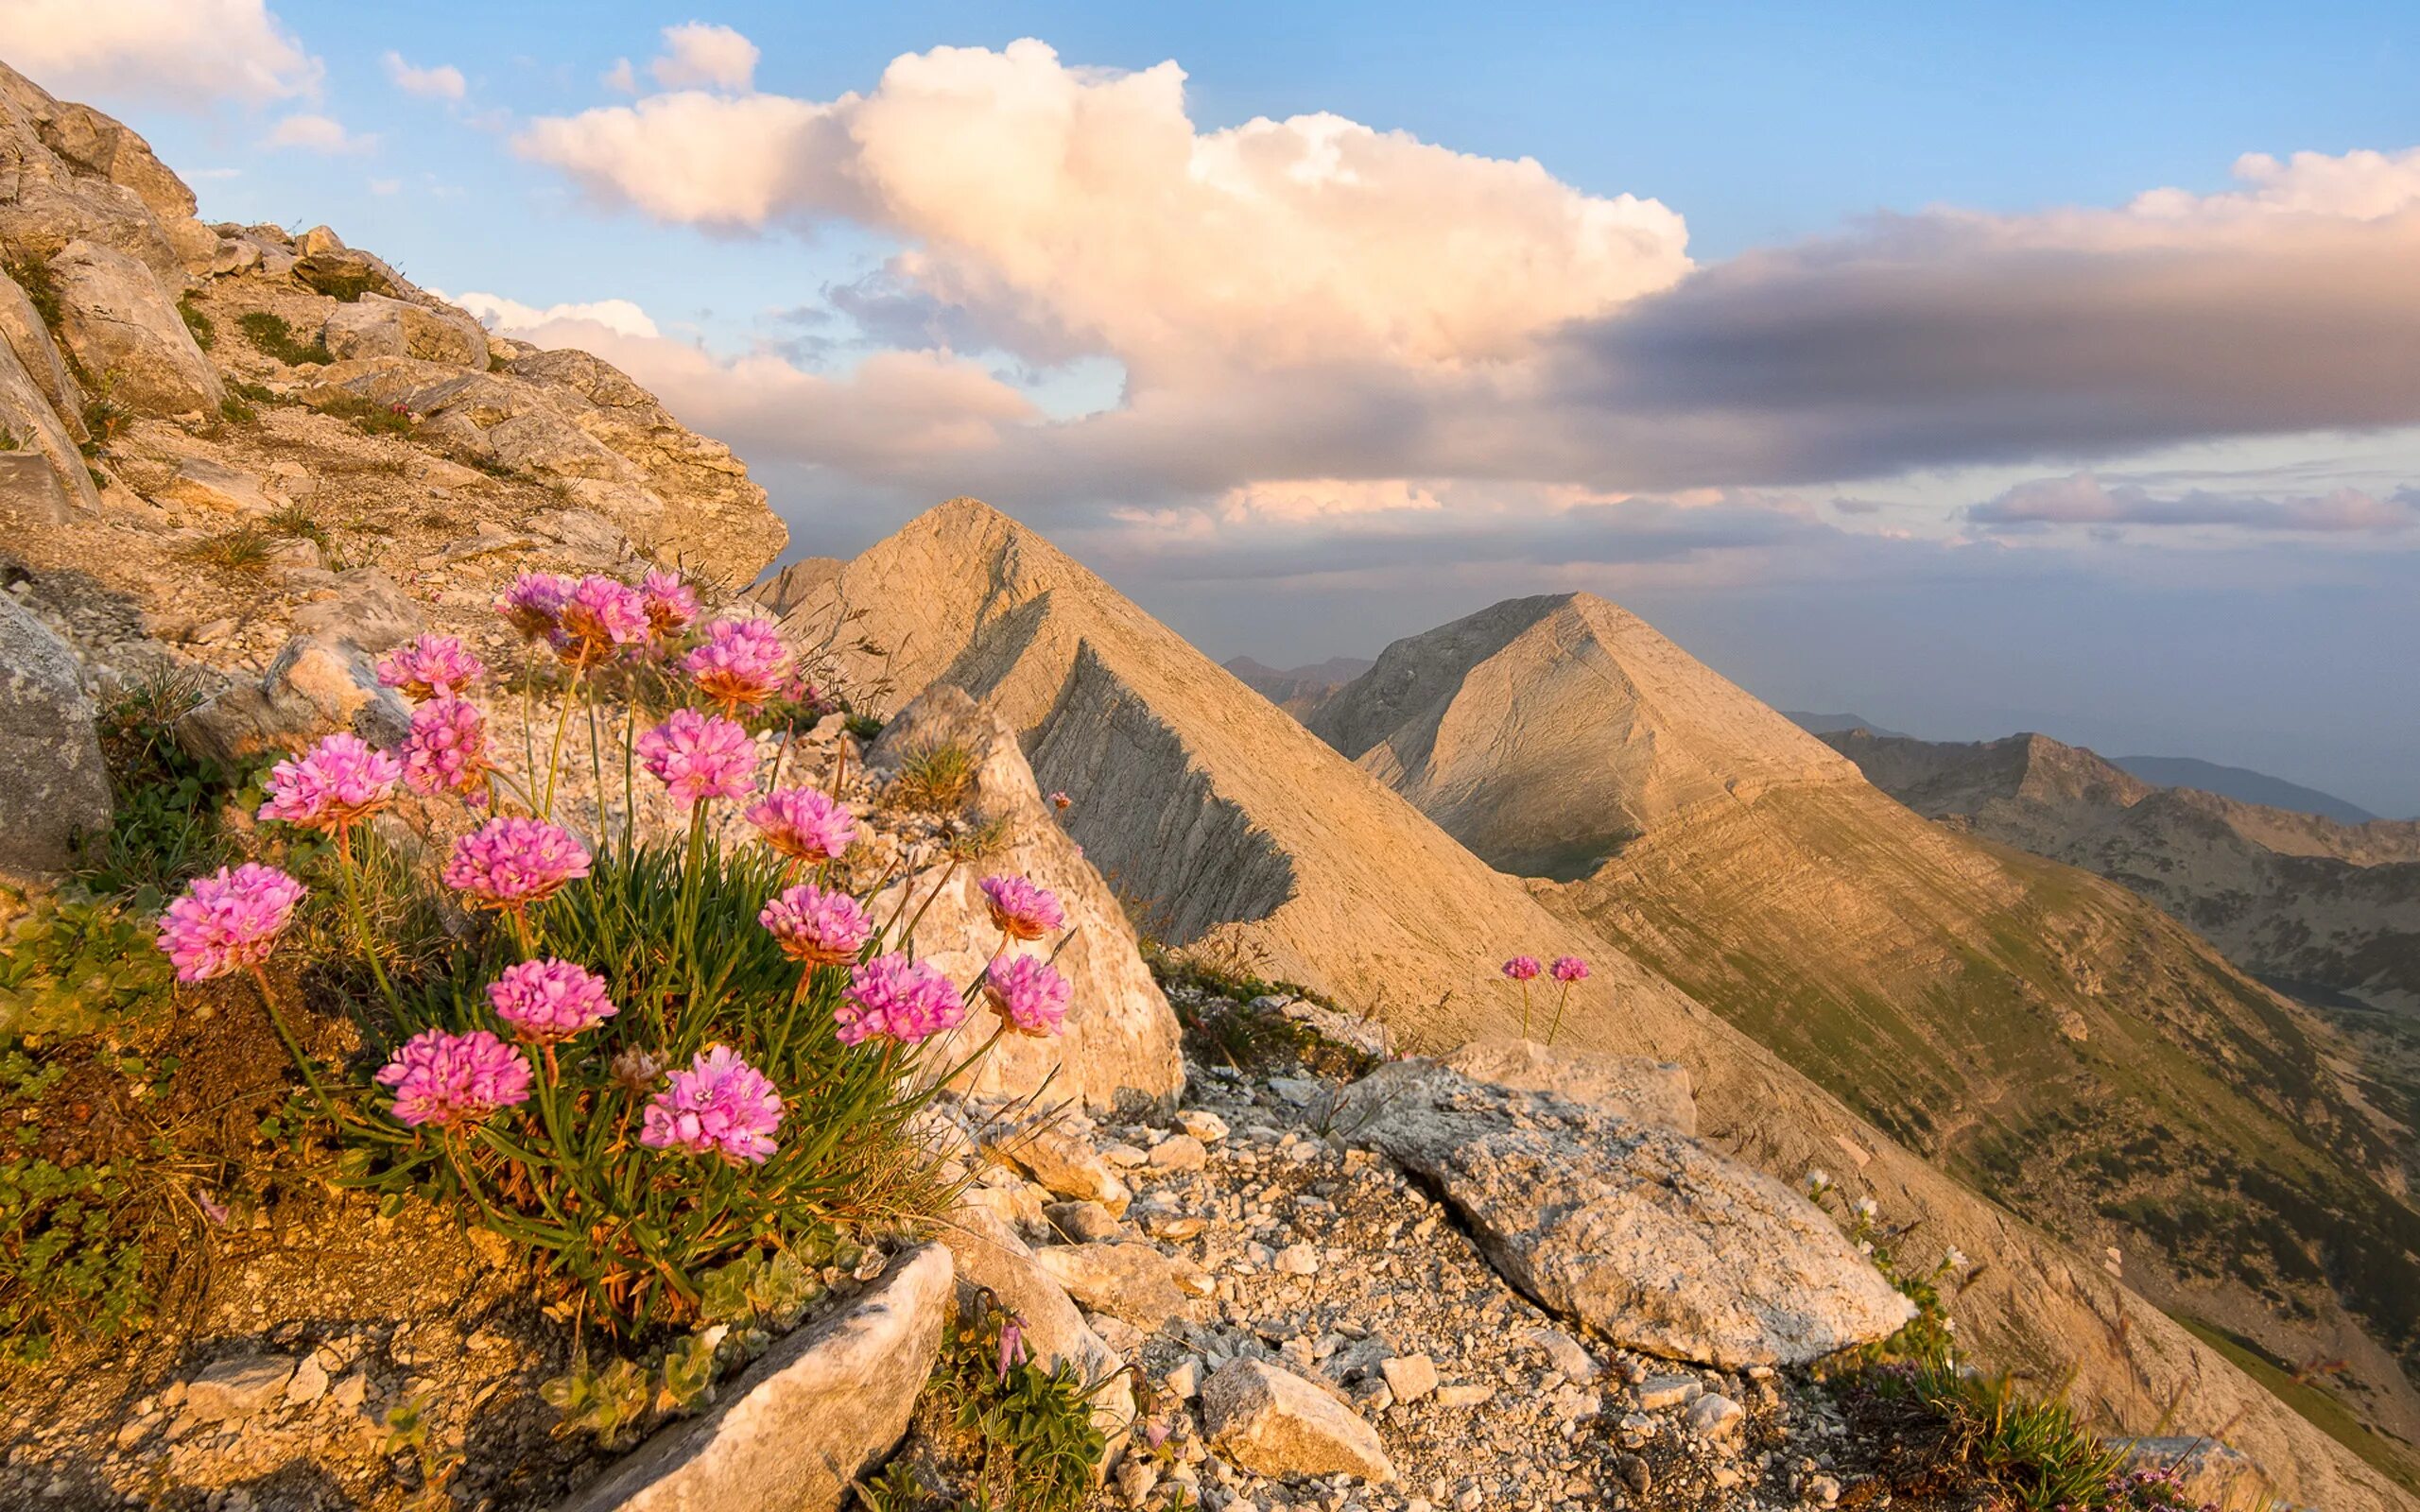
(1955, 1258)
(1865, 1247)
(1949, 1325)
(1865, 1208)
(1817, 1180)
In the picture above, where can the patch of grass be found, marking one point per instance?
(1003, 1434)
(269, 332)
(935, 779)
(236, 412)
(105, 422)
(9, 441)
(244, 549)
(294, 522)
(205, 332)
(340, 282)
(165, 826)
(33, 275)
(2317, 1407)
(368, 416)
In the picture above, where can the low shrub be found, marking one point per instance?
(368, 416)
(33, 275)
(244, 549)
(934, 779)
(205, 334)
(1010, 1435)
(269, 332)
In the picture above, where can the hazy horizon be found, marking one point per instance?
(2047, 370)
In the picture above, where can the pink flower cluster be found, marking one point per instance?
(671, 604)
(1568, 968)
(804, 822)
(1028, 993)
(1020, 909)
(898, 998)
(447, 749)
(550, 1000)
(698, 757)
(1522, 968)
(720, 1106)
(742, 662)
(602, 615)
(513, 862)
(335, 783)
(534, 603)
(434, 666)
(227, 920)
(446, 1079)
(815, 926)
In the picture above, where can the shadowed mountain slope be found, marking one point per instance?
(2046, 1036)
(2239, 783)
(1242, 836)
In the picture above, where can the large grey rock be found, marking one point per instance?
(821, 1408)
(1646, 1235)
(52, 781)
(32, 424)
(991, 1258)
(1632, 1086)
(1120, 1043)
(126, 331)
(30, 492)
(23, 332)
(1274, 1422)
(59, 181)
(377, 326)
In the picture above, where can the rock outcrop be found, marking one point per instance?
(1645, 1235)
(375, 325)
(823, 1407)
(123, 327)
(52, 781)
(1120, 1043)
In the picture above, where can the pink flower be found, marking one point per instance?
(671, 604)
(1062, 801)
(446, 1079)
(602, 616)
(1522, 968)
(336, 781)
(1028, 993)
(513, 862)
(743, 661)
(1020, 909)
(550, 1000)
(804, 822)
(433, 667)
(806, 696)
(447, 749)
(819, 927)
(1570, 968)
(227, 920)
(900, 999)
(535, 603)
(698, 757)
(720, 1106)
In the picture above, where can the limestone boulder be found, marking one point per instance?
(52, 781)
(1274, 1422)
(52, 199)
(794, 1433)
(1132, 1281)
(27, 338)
(124, 327)
(377, 326)
(324, 678)
(1657, 1242)
(207, 484)
(1632, 1086)
(39, 442)
(1121, 1044)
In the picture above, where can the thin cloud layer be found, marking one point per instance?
(192, 53)
(2082, 499)
(441, 81)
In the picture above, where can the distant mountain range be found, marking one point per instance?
(1299, 691)
(1832, 724)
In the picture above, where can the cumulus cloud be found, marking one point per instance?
(442, 82)
(317, 133)
(2083, 499)
(511, 318)
(1087, 202)
(191, 53)
(699, 54)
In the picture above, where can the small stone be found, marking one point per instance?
(1633, 1473)
(1124, 1156)
(1135, 1479)
(1130, 1281)
(309, 1384)
(1179, 1152)
(1183, 1379)
(1824, 1488)
(1081, 1222)
(1469, 1394)
(1274, 1422)
(1410, 1377)
(1068, 1165)
(1298, 1260)
(235, 1389)
(1203, 1125)
(1715, 1416)
(1657, 1393)
(352, 1391)
(1566, 1354)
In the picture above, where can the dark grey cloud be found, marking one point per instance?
(2083, 499)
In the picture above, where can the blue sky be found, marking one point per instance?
(1948, 364)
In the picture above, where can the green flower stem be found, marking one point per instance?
(1556, 1027)
(361, 919)
(555, 754)
(294, 1048)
